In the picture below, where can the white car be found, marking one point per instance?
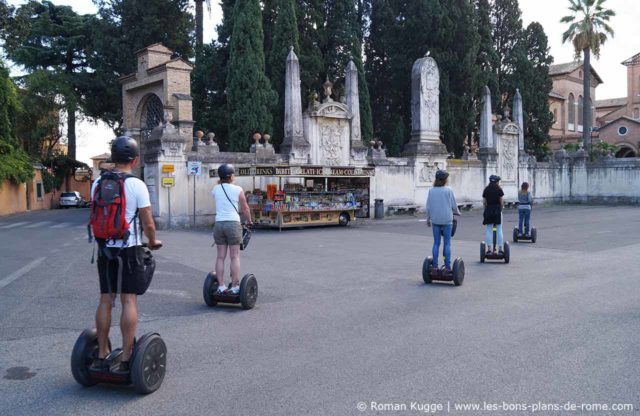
(71, 199)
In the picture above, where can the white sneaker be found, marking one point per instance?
(221, 289)
(235, 290)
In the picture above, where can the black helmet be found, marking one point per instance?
(225, 171)
(124, 149)
(442, 174)
(494, 178)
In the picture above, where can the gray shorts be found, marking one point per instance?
(227, 233)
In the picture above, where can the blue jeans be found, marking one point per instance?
(438, 231)
(489, 236)
(525, 216)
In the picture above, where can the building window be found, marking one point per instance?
(39, 190)
(622, 131)
(580, 74)
(636, 113)
(572, 112)
(555, 115)
(580, 108)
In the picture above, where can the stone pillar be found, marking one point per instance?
(358, 149)
(518, 117)
(166, 146)
(425, 109)
(294, 143)
(487, 150)
(506, 141)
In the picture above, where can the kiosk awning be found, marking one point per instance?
(303, 171)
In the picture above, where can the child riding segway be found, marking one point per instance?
(441, 207)
(494, 247)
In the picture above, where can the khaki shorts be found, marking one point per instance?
(227, 233)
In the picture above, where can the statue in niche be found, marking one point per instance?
(328, 90)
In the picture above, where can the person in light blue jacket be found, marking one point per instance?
(441, 207)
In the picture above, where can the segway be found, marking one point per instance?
(455, 275)
(246, 297)
(494, 255)
(147, 366)
(533, 235)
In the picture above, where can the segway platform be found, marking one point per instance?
(247, 296)
(456, 275)
(147, 365)
(533, 235)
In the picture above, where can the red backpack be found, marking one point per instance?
(108, 208)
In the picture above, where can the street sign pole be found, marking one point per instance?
(194, 202)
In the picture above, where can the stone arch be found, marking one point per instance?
(149, 112)
(626, 150)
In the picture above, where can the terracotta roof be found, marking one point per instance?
(103, 156)
(556, 95)
(611, 102)
(635, 59)
(633, 120)
(566, 68)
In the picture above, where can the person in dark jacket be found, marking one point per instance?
(493, 198)
(524, 209)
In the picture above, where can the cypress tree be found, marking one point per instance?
(344, 43)
(250, 97)
(507, 30)
(531, 76)
(285, 36)
(311, 16)
(378, 50)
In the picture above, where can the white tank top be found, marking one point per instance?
(225, 211)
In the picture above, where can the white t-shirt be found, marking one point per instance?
(137, 196)
(225, 211)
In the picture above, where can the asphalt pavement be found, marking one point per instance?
(343, 321)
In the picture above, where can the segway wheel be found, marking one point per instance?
(534, 235)
(248, 291)
(515, 235)
(84, 352)
(458, 271)
(209, 288)
(483, 251)
(344, 219)
(426, 270)
(149, 364)
(506, 252)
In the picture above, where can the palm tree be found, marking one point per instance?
(588, 29)
(199, 27)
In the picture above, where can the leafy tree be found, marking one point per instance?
(588, 30)
(285, 36)
(54, 41)
(250, 97)
(38, 123)
(15, 164)
(123, 27)
(394, 148)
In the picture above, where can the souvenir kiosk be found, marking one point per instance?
(300, 196)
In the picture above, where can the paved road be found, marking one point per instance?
(342, 317)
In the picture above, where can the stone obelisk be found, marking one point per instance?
(294, 144)
(518, 117)
(358, 149)
(487, 150)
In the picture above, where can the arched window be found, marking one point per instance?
(572, 112)
(555, 115)
(580, 107)
(581, 74)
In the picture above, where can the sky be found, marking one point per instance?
(93, 139)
